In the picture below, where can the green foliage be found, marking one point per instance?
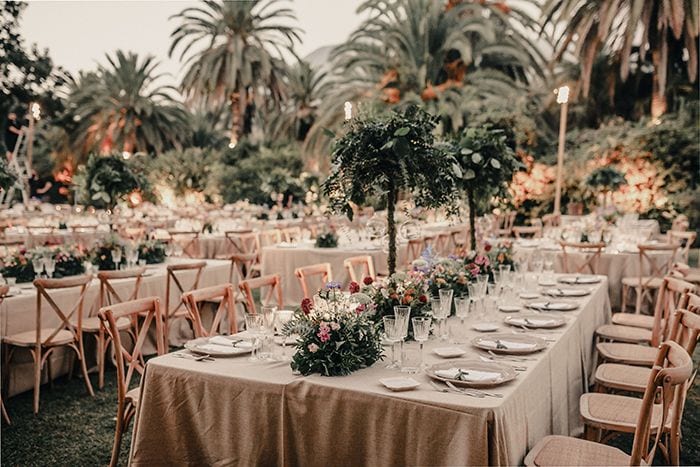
(185, 171)
(152, 251)
(605, 179)
(7, 176)
(381, 156)
(106, 180)
(101, 254)
(327, 240)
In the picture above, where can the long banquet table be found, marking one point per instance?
(18, 312)
(233, 411)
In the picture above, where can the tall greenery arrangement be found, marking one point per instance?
(487, 165)
(106, 179)
(383, 156)
(605, 179)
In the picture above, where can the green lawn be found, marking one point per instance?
(74, 429)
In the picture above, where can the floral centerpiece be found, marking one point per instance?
(153, 251)
(500, 254)
(443, 273)
(336, 333)
(19, 266)
(101, 255)
(327, 240)
(69, 261)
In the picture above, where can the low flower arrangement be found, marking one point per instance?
(101, 255)
(19, 266)
(153, 251)
(337, 334)
(327, 240)
(69, 262)
(443, 273)
(500, 254)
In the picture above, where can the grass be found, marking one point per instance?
(75, 429)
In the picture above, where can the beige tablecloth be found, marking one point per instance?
(18, 313)
(236, 412)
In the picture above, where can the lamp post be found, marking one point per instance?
(34, 115)
(563, 99)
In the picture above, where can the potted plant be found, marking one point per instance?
(106, 180)
(383, 156)
(487, 165)
(605, 179)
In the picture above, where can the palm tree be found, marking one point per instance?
(440, 55)
(233, 51)
(665, 27)
(122, 106)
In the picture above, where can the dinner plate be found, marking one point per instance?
(547, 282)
(529, 295)
(472, 373)
(204, 346)
(564, 292)
(510, 343)
(399, 384)
(536, 321)
(449, 352)
(580, 279)
(509, 308)
(485, 327)
(553, 306)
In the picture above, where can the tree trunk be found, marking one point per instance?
(472, 219)
(391, 228)
(659, 58)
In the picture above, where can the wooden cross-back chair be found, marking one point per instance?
(43, 341)
(644, 284)
(274, 291)
(366, 265)
(443, 244)
(527, 231)
(414, 248)
(685, 239)
(291, 234)
(322, 271)
(268, 238)
(633, 341)
(221, 294)
(174, 274)
(110, 296)
(142, 313)
(591, 253)
(242, 243)
(672, 369)
(504, 223)
(187, 239)
(551, 220)
(459, 236)
(4, 290)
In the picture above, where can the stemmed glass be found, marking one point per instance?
(268, 314)
(439, 315)
(117, 258)
(38, 266)
(392, 331)
(462, 310)
(254, 324)
(421, 331)
(283, 317)
(49, 266)
(446, 305)
(402, 314)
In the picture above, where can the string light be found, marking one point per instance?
(562, 95)
(347, 107)
(36, 111)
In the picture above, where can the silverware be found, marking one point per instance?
(466, 391)
(509, 357)
(438, 388)
(196, 358)
(516, 368)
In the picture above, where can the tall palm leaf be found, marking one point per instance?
(233, 50)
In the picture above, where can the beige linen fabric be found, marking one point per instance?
(235, 412)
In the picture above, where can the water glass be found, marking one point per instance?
(283, 317)
(267, 330)
(38, 266)
(393, 332)
(117, 257)
(421, 331)
(49, 266)
(440, 315)
(254, 324)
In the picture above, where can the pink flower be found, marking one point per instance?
(360, 308)
(313, 348)
(324, 332)
(354, 287)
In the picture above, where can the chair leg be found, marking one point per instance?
(37, 378)
(118, 431)
(675, 447)
(100, 359)
(625, 291)
(639, 297)
(49, 373)
(83, 368)
(5, 416)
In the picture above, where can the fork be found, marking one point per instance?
(491, 360)
(509, 357)
(466, 391)
(196, 358)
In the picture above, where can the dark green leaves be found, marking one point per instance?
(403, 131)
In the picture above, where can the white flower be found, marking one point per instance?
(326, 317)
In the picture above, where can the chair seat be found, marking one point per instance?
(619, 333)
(634, 320)
(563, 450)
(622, 377)
(693, 277)
(615, 412)
(630, 354)
(648, 282)
(133, 395)
(28, 338)
(92, 324)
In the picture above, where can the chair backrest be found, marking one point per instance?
(241, 267)
(505, 220)
(142, 313)
(268, 238)
(188, 240)
(4, 290)
(443, 243)
(108, 295)
(524, 231)
(322, 270)
(223, 294)
(414, 249)
(591, 253)
(70, 320)
(173, 270)
(657, 269)
(291, 234)
(459, 237)
(680, 223)
(272, 281)
(551, 220)
(672, 295)
(671, 371)
(243, 243)
(365, 262)
(685, 239)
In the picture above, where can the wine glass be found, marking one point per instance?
(462, 310)
(421, 331)
(254, 324)
(403, 315)
(38, 266)
(283, 317)
(438, 313)
(117, 257)
(268, 314)
(49, 266)
(392, 332)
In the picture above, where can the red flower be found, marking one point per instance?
(354, 287)
(307, 305)
(367, 280)
(423, 299)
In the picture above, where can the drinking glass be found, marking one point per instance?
(283, 317)
(421, 331)
(439, 315)
(117, 258)
(38, 266)
(393, 332)
(49, 266)
(482, 278)
(253, 324)
(267, 330)
(462, 312)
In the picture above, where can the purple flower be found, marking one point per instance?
(334, 285)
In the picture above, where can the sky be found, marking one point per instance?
(78, 34)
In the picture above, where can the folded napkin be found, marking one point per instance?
(221, 340)
(215, 348)
(508, 344)
(532, 321)
(468, 375)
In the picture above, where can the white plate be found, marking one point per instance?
(553, 306)
(509, 308)
(547, 283)
(580, 279)
(535, 321)
(485, 327)
(202, 346)
(510, 343)
(399, 384)
(529, 295)
(484, 374)
(449, 352)
(567, 292)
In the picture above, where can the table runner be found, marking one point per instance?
(232, 411)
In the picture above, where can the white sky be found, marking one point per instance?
(79, 33)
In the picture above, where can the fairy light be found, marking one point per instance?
(347, 107)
